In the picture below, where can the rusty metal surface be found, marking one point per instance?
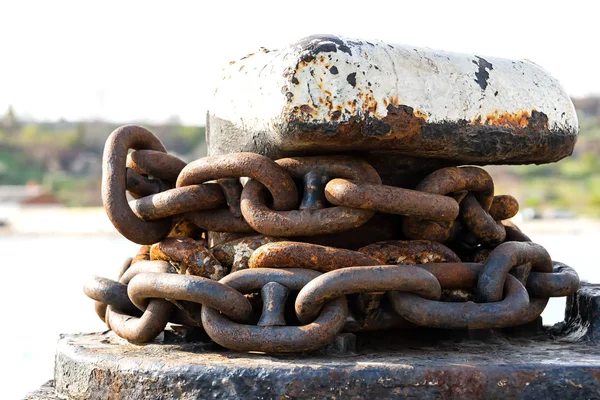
(381, 278)
(178, 201)
(502, 259)
(236, 253)
(451, 218)
(405, 363)
(114, 184)
(304, 255)
(309, 219)
(409, 252)
(271, 339)
(514, 234)
(446, 181)
(296, 222)
(480, 222)
(516, 308)
(391, 200)
(107, 292)
(503, 207)
(196, 289)
(331, 166)
(139, 185)
(564, 281)
(331, 94)
(277, 339)
(224, 220)
(274, 296)
(189, 256)
(264, 170)
(155, 316)
(155, 163)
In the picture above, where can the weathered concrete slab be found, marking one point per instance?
(333, 94)
(45, 392)
(97, 366)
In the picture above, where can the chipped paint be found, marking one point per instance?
(346, 94)
(325, 79)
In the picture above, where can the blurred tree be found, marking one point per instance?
(10, 122)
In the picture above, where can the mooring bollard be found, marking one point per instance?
(358, 257)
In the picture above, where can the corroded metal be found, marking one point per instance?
(190, 257)
(107, 292)
(304, 255)
(236, 253)
(275, 338)
(274, 296)
(503, 259)
(155, 315)
(264, 170)
(453, 213)
(353, 95)
(516, 308)
(224, 219)
(391, 200)
(503, 207)
(356, 151)
(114, 185)
(155, 163)
(196, 289)
(178, 201)
(404, 364)
(446, 181)
(409, 252)
(350, 280)
(309, 221)
(564, 281)
(480, 222)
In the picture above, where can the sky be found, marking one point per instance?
(150, 61)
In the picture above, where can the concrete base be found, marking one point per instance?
(558, 363)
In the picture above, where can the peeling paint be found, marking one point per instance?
(446, 86)
(347, 94)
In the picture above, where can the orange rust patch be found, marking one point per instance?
(420, 114)
(509, 120)
(522, 119)
(404, 121)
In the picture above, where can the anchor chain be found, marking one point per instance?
(454, 263)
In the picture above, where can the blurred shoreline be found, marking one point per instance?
(62, 221)
(94, 221)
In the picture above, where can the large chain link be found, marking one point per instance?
(456, 263)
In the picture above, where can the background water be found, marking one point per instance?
(42, 296)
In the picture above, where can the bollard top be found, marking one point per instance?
(333, 94)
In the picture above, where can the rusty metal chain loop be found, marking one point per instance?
(446, 181)
(391, 200)
(305, 255)
(311, 219)
(189, 257)
(380, 278)
(156, 164)
(114, 181)
(515, 309)
(250, 165)
(275, 338)
(155, 316)
(147, 286)
(502, 259)
(448, 220)
(228, 219)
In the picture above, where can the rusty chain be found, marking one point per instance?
(456, 262)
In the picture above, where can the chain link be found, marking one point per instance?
(241, 291)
